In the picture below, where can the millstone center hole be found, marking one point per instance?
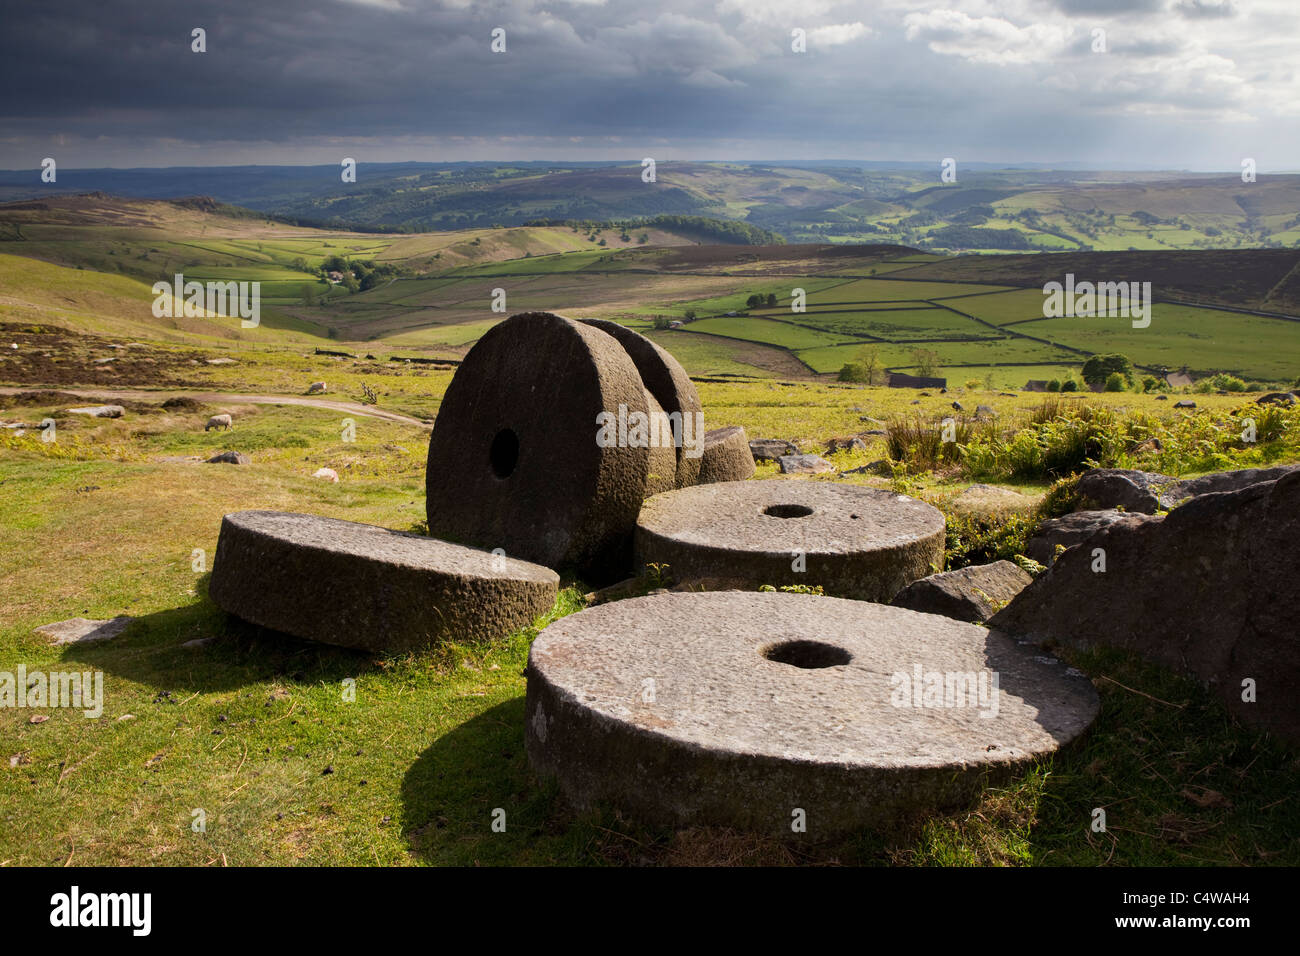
(504, 453)
(806, 654)
(787, 511)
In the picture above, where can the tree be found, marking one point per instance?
(1069, 385)
(927, 362)
(755, 301)
(1099, 368)
(308, 295)
(771, 298)
(1115, 382)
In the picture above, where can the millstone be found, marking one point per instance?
(758, 711)
(358, 585)
(513, 460)
(726, 456)
(662, 475)
(668, 382)
(855, 542)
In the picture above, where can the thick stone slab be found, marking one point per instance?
(357, 585)
(855, 542)
(726, 456)
(742, 709)
(514, 461)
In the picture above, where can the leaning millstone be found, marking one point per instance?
(804, 465)
(361, 586)
(756, 711)
(80, 630)
(972, 594)
(853, 541)
(726, 456)
(516, 459)
(662, 473)
(672, 388)
(99, 411)
(1070, 530)
(1209, 589)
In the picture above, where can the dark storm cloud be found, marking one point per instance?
(292, 81)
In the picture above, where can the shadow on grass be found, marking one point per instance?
(478, 774)
(152, 651)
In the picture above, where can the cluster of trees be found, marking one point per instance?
(866, 367)
(758, 300)
(359, 274)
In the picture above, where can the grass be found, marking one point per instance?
(254, 730)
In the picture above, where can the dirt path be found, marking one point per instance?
(141, 395)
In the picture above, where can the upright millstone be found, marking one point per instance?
(788, 713)
(668, 382)
(854, 542)
(514, 459)
(357, 585)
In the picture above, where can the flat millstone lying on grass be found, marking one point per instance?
(357, 585)
(855, 542)
(739, 709)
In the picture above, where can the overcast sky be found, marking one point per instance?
(1183, 84)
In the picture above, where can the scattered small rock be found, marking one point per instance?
(230, 458)
(804, 465)
(99, 411)
(80, 630)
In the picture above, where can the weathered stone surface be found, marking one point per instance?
(1144, 492)
(770, 449)
(966, 594)
(514, 460)
(665, 379)
(1135, 491)
(738, 709)
(1210, 590)
(1070, 530)
(1277, 398)
(230, 458)
(1185, 403)
(663, 469)
(1223, 481)
(99, 411)
(845, 443)
(357, 585)
(726, 456)
(80, 630)
(857, 542)
(804, 465)
(984, 413)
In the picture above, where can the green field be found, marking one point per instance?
(765, 331)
